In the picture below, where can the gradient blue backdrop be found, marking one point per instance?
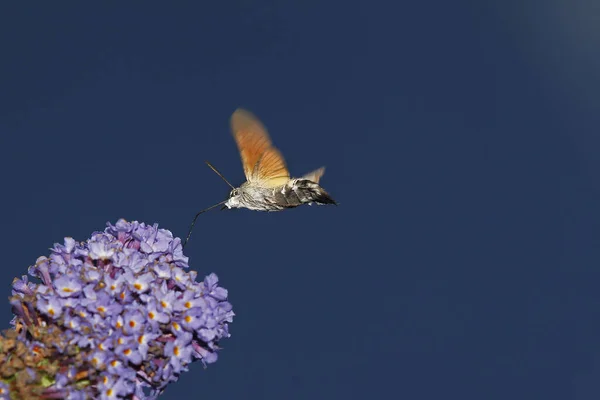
(460, 138)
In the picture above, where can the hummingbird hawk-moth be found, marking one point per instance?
(268, 186)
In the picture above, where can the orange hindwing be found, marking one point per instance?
(263, 164)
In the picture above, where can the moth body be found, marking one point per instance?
(294, 193)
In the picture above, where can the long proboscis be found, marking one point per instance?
(196, 217)
(209, 208)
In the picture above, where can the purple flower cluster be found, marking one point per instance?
(126, 301)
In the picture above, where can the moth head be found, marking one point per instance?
(234, 198)
(234, 193)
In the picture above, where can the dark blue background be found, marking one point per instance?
(460, 138)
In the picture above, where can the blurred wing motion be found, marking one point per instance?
(315, 175)
(263, 163)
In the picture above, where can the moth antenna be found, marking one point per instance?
(218, 173)
(194, 221)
